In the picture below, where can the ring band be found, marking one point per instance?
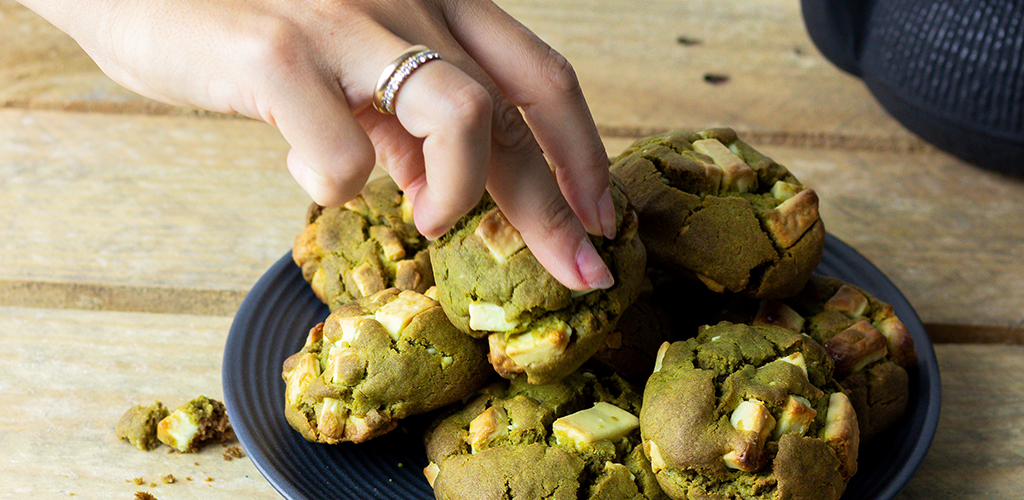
(394, 75)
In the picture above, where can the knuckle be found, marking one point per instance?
(470, 105)
(558, 72)
(558, 217)
(511, 133)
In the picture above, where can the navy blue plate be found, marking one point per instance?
(278, 312)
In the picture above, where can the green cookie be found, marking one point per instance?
(363, 247)
(870, 346)
(375, 361)
(575, 439)
(748, 412)
(712, 207)
(491, 285)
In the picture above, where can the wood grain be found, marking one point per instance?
(68, 377)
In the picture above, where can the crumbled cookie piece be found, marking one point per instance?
(138, 425)
(233, 452)
(195, 424)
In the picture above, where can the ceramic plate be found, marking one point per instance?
(275, 317)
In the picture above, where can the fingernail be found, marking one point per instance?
(606, 212)
(591, 267)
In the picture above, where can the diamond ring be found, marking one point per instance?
(396, 73)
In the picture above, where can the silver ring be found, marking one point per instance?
(395, 74)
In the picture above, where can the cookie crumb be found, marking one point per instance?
(168, 479)
(143, 495)
(139, 481)
(209, 479)
(233, 452)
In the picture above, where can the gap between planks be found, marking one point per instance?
(124, 298)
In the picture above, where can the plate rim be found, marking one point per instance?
(881, 286)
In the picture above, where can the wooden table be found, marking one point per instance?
(130, 232)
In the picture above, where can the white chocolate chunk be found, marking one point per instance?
(344, 361)
(539, 346)
(796, 359)
(499, 236)
(842, 432)
(602, 421)
(848, 300)
(796, 417)
(488, 426)
(177, 430)
(357, 205)
(775, 313)
(736, 174)
(298, 378)
(430, 472)
(367, 280)
(755, 423)
(488, 317)
(782, 190)
(330, 422)
(752, 416)
(654, 455)
(349, 327)
(660, 356)
(397, 314)
(389, 242)
(792, 218)
(405, 209)
(431, 293)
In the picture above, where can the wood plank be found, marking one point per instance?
(165, 202)
(637, 75)
(976, 453)
(70, 374)
(68, 377)
(205, 206)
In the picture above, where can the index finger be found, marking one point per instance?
(543, 84)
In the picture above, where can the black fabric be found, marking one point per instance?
(951, 71)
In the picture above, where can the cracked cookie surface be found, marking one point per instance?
(716, 209)
(491, 285)
(750, 412)
(575, 439)
(377, 360)
(363, 246)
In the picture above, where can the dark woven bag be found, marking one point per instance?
(951, 71)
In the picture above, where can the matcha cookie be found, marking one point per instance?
(377, 360)
(870, 346)
(748, 412)
(363, 247)
(138, 425)
(491, 285)
(714, 208)
(575, 439)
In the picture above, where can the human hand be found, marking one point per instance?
(310, 69)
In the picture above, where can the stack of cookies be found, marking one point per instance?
(718, 366)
